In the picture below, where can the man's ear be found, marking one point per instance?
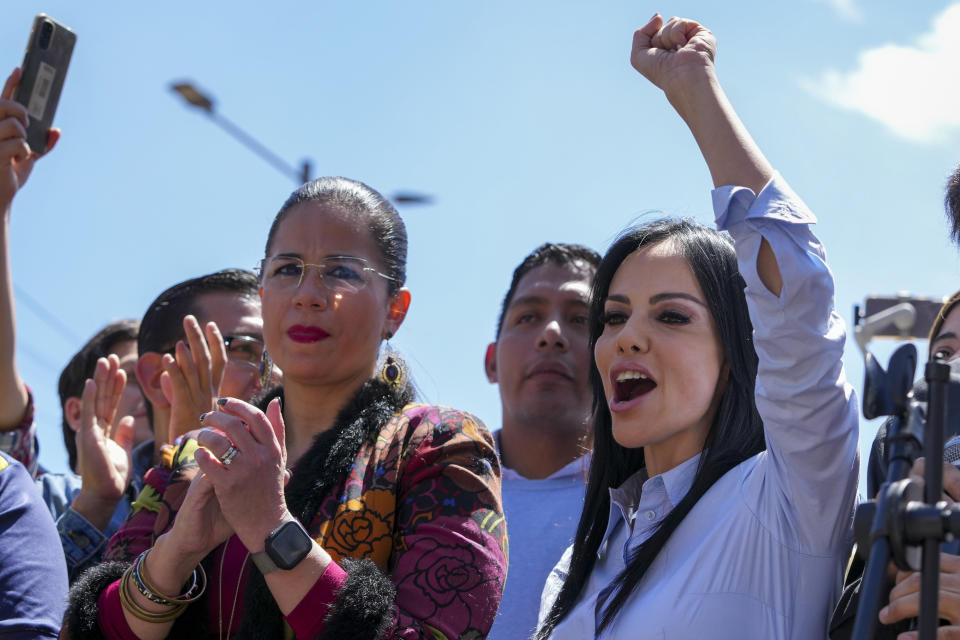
(149, 369)
(72, 412)
(397, 310)
(490, 362)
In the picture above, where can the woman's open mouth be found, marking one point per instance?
(628, 387)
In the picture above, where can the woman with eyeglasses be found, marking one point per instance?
(333, 507)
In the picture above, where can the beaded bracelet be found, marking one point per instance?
(137, 611)
(146, 591)
(151, 593)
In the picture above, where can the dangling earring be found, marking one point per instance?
(392, 371)
(265, 369)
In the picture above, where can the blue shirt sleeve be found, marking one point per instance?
(805, 485)
(33, 576)
(83, 544)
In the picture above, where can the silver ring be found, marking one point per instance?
(227, 458)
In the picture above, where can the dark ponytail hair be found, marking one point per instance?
(735, 435)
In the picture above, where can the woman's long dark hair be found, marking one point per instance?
(735, 435)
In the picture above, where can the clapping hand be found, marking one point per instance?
(244, 454)
(199, 526)
(191, 380)
(104, 444)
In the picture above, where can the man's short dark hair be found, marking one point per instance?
(951, 202)
(82, 366)
(575, 256)
(162, 324)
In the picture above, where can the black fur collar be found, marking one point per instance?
(321, 468)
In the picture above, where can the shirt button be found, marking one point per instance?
(650, 515)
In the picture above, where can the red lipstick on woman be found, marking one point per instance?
(303, 333)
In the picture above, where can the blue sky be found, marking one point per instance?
(523, 119)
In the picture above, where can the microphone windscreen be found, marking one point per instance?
(951, 451)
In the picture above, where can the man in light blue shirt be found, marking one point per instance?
(540, 360)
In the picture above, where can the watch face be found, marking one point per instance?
(288, 545)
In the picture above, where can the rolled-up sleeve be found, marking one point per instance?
(805, 485)
(21, 441)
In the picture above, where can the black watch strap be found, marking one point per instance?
(284, 548)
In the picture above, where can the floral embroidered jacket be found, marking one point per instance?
(414, 525)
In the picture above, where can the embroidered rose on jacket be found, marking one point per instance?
(448, 583)
(361, 529)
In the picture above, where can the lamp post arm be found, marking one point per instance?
(248, 141)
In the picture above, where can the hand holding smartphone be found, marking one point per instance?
(44, 69)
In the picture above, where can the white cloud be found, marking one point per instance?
(913, 90)
(845, 8)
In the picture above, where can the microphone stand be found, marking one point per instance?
(937, 374)
(905, 516)
(874, 522)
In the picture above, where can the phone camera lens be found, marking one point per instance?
(46, 32)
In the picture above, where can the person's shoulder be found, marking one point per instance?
(18, 491)
(12, 472)
(66, 481)
(430, 433)
(436, 413)
(443, 420)
(58, 490)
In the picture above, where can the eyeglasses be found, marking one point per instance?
(339, 274)
(242, 351)
(245, 351)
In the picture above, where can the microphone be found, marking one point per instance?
(951, 454)
(951, 451)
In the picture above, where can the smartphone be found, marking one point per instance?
(44, 69)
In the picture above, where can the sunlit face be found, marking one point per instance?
(132, 402)
(946, 344)
(315, 334)
(660, 357)
(542, 357)
(235, 315)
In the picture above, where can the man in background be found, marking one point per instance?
(540, 360)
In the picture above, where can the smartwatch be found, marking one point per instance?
(284, 548)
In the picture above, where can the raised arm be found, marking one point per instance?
(16, 163)
(808, 475)
(678, 57)
(104, 445)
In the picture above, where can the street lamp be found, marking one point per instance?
(196, 98)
